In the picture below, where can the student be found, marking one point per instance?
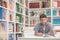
(43, 27)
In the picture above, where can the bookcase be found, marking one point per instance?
(13, 17)
(17, 14)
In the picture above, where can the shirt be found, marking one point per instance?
(39, 28)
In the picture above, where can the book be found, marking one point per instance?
(18, 27)
(11, 37)
(4, 16)
(3, 26)
(11, 18)
(18, 35)
(21, 1)
(4, 4)
(11, 27)
(1, 2)
(17, 7)
(55, 4)
(54, 12)
(58, 2)
(59, 13)
(11, 4)
(26, 12)
(1, 13)
(18, 17)
(26, 20)
(40, 4)
(34, 5)
(56, 20)
(48, 13)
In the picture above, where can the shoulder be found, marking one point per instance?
(49, 25)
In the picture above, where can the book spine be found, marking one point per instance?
(1, 13)
(5, 4)
(0, 2)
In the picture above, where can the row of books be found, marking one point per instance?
(36, 20)
(41, 4)
(3, 26)
(34, 13)
(56, 20)
(11, 27)
(56, 12)
(3, 3)
(11, 36)
(56, 3)
(19, 18)
(6, 15)
(18, 27)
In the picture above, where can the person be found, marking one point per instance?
(43, 27)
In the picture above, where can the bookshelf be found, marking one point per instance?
(17, 14)
(13, 17)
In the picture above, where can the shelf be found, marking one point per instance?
(18, 32)
(3, 20)
(8, 9)
(38, 9)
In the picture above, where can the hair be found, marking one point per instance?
(43, 16)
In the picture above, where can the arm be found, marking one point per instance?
(36, 29)
(38, 33)
(51, 31)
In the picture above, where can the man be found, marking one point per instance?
(43, 27)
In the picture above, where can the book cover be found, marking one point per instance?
(48, 13)
(17, 7)
(0, 2)
(16, 27)
(5, 4)
(56, 21)
(58, 3)
(55, 4)
(3, 26)
(43, 4)
(1, 13)
(18, 35)
(40, 4)
(21, 1)
(54, 12)
(4, 14)
(11, 37)
(11, 4)
(11, 27)
(34, 5)
(59, 13)
(19, 17)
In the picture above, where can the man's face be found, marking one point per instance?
(43, 20)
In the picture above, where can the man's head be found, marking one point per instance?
(43, 18)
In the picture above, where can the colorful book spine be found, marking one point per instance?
(17, 7)
(55, 4)
(19, 16)
(59, 12)
(58, 3)
(1, 13)
(56, 21)
(5, 4)
(54, 12)
(16, 27)
(48, 13)
(11, 37)
(1, 2)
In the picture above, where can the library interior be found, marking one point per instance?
(18, 18)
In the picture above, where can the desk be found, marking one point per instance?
(31, 37)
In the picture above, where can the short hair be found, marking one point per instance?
(43, 16)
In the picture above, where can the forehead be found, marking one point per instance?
(43, 18)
